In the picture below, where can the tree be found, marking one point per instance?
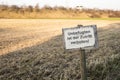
(14, 8)
(3, 7)
(36, 8)
(30, 9)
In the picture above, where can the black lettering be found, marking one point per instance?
(69, 38)
(75, 37)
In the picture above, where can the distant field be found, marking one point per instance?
(30, 12)
(32, 49)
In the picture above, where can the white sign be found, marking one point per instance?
(80, 37)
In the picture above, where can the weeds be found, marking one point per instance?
(49, 61)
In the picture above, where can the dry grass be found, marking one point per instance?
(30, 12)
(33, 50)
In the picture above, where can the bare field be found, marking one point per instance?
(32, 49)
(17, 34)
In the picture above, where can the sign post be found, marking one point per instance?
(81, 37)
(83, 64)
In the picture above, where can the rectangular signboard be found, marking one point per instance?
(81, 37)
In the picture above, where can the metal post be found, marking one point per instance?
(83, 64)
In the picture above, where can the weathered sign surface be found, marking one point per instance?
(80, 37)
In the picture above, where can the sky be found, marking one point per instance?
(101, 4)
